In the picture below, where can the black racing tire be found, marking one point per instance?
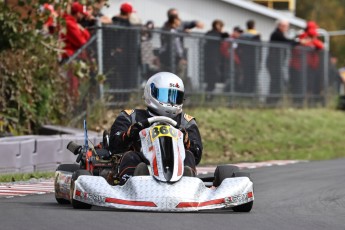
(243, 174)
(222, 172)
(247, 207)
(76, 204)
(68, 167)
(62, 200)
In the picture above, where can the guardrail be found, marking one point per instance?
(38, 153)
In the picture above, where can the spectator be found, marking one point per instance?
(228, 50)
(172, 53)
(212, 63)
(276, 59)
(122, 52)
(250, 56)
(150, 62)
(334, 74)
(307, 53)
(126, 9)
(76, 36)
(73, 39)
(184, 26)
(94, 13)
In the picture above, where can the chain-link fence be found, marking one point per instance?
(224, 72)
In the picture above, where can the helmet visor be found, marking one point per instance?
(167, 95)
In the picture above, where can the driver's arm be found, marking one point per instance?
(195, 140)
(119, 144)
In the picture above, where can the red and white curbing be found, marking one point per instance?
(251, 165)
(10, 190)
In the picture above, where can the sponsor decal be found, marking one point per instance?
(89, 196)
(174, 85)
(96, 198)
(239, 198)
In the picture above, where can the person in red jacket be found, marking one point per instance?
(308, 54)
(73, 36)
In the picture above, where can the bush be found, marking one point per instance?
(32, 90)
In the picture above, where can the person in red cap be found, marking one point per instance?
(309, 53)
(120, 53)
(73, 36)
(126, 9)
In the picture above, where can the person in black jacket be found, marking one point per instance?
(212, 64)
(164, 96)
(276, 59)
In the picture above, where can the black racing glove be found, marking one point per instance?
(132, 133)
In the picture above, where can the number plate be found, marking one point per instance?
(163, 131)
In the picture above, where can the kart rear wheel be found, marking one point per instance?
(67, 168)
(222, 172)
(75, 203)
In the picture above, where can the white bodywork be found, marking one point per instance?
(146, 193)
(152, 151)
(157, 193)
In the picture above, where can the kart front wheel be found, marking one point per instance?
(244, 207)
(222, 172)
(66, 168)
(76, 203)
(247, 207)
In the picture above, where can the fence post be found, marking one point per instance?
(304, 73)
(99, 35)
(281, 73)
(232, 71)
(326, 72)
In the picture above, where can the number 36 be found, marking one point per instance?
(163, 130)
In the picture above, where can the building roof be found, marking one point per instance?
(295, 21)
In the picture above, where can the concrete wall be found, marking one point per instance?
(38, 153)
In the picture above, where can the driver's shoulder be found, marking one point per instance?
(134, 114)
(130, 112)
(186, 118)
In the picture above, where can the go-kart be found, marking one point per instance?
(164, 184)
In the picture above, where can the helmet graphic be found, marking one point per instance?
(164, 94)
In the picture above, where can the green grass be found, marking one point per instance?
(269, 134)
(241, 135)
(25, 176)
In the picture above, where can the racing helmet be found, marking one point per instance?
(164, 94)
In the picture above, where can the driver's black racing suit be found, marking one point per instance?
(131, 155)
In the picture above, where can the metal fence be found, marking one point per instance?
(215, 72)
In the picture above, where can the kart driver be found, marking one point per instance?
(164, 96)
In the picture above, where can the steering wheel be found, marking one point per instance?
(168, 120)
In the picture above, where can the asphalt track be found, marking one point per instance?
(299, 196)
